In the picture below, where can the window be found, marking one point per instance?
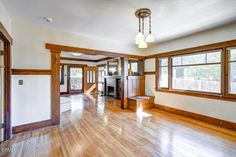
(133, 67)
(91, 76)
(197, 72)
(205, 71)
(232, 70)
(163, 73)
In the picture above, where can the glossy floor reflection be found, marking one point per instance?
(98, 127)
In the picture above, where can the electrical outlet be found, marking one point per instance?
(20, 82)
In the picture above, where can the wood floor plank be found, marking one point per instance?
(98, 127)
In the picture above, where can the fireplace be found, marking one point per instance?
(112, 86)
(110, 91)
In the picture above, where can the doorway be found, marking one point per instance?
(75, 83)
(101, 75)
(5, 84)
(91, 79)
(2, 90)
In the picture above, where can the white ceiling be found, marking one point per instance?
(114, 19)
(82, 56)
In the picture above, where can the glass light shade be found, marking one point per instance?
(142, 44)
(139, 37)
(150, 38)
(76, 54)
(137, 42)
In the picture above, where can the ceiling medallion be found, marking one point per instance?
(140, 39)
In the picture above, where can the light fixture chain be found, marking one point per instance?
(139, 30)
(143, 25)
(150, 24)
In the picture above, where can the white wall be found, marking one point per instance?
(210, 107)
(5, 18)
(30, 101)
(219, 34)
(29, 53)
(150, 65)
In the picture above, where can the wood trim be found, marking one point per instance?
(55, 84)
(4, 32)
(198, 94)
(85, 60)
(64, 48)
(77, 59)
(31, 126)
(104, 59)
(31, 72)
(7, 40)
(223, 95)
(150, 73)
(76, 65)
(64, 93)
(62, 73)
(214, 46)
(203, 118)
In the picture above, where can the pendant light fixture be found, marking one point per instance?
(140, 39)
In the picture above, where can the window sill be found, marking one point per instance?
(199, 94)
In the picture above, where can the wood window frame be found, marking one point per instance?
(158, 71)
(224, 93)
(227, 70)
(69, 66)
(62, 82)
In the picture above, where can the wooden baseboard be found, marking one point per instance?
(203, 118)
(31, 126)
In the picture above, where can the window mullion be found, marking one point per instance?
(170, 73)
(224, 72)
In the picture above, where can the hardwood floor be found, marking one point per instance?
(98, 127)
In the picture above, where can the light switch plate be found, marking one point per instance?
(20, 82)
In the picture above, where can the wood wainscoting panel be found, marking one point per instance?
(196, 116)
(31, 72)
(136, 85)
(31, 126)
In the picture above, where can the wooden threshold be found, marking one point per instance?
(31, 126)
(199, 117)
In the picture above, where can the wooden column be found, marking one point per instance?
(141, 67)
(55, 84)
(124, 75)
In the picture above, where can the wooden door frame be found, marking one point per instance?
(68, 78)
(55, 70)
(102, 65)
(6, 38)
(96, 77)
